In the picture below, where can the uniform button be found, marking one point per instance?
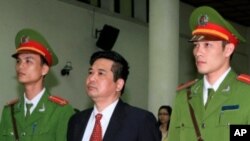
(23, 134)
(203, 125)
(11, 133)
(182, 125)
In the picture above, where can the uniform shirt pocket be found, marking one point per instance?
(230, 114)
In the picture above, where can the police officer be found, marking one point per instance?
(35, 115)
(221, 97)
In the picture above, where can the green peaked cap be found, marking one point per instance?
(212, 16)
(31, 40)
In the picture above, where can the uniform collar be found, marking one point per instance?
(34, 101)
(216, 85)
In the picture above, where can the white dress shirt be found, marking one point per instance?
(215, 86)
(106, 115)
(33, 101)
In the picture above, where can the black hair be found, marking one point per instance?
(43, 60)
(169, 109)
(120, 67)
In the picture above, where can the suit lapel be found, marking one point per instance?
(115, 121)
(196, 100)
(40, 111)
(19, 113)
(81, 126)
(222, 94)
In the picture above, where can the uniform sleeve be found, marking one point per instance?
(174, 127)
(5, 123)
(1, 126)
(66, 112)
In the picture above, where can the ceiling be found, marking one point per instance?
(234, 10)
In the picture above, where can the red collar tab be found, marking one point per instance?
(12, 102)
(186, 85)
(58, 100)
(244, 78)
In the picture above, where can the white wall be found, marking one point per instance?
(68, 28)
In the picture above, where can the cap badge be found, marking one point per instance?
(24, 39)
(203, 20)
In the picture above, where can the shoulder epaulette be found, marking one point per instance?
(58, 100)
(186, 85)
(244, 78)
(11, 102)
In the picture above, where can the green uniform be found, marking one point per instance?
(48, 121)
(229, 105)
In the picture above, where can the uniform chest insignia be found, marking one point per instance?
(13, 101)
(244, 78)
(186, 85)
(227, 89)
(58, 100)
(42, 109)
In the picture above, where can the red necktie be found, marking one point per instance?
(97, 131)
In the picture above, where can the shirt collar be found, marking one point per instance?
(217, 83)
(107, 112)
(36, 99)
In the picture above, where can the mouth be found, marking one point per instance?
(200, 62)
(20, 74)
(91, 87)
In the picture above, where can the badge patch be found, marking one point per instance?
(24, 39)
(230, 107)
(203, 20)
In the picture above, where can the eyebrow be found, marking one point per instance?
(102, 70)
(25, 57)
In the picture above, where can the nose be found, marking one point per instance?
(19, 65)
(92, 76)
(197, 51)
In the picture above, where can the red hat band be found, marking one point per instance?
(216, 30)
(36, 47)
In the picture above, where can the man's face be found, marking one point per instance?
(29, 68)
(211, 57)
(100, 83)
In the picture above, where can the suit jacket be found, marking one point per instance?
(229, 105)
(48, 121)
(127, 123)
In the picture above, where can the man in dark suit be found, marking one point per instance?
(105, 84)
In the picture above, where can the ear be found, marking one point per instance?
(229, 49)
(45, 70)
(119, 84)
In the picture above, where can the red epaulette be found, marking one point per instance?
(186, 85)
(58, 100)
(13, 101)
(244, 78)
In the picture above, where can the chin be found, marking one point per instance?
(21, 80)
(91, 94)
(202, 71)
